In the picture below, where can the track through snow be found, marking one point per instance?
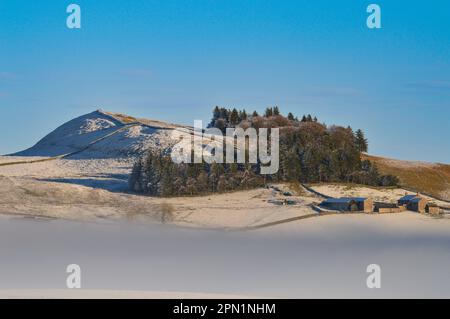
(121, 129)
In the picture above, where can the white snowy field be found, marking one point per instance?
(88, 189)
(93, 189)
(20, 159)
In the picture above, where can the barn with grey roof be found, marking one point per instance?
(414, 203)
(349, 204)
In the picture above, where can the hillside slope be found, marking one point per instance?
(427, 178)
(104, 135)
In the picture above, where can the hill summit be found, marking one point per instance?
(102, 134)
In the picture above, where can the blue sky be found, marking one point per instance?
(176, 60)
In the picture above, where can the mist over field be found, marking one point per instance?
(305, 259)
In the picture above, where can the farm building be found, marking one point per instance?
(390, 210)
(349, 204)
(406, 199)
(414, 203)
(433, 209)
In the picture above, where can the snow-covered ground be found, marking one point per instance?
(20, 159)
(92, 189)
(386, 195)
(102, 135)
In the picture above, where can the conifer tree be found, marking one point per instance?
(291, 166)
(191, 186)
(202, 182)
(234, 118)
(134, 180)
(290, 116)
(276, 110)
(216, 116)
(243, 115)
(222, 184)
(361, 141)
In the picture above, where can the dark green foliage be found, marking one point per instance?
(276, 111)
(309, 118)
(134, 181)
(221, 118)
(361, 141)
(290, 117)
(369, 175)
(309, 152)
(243, 115)
(159, 176)
(268, 112)
(234, 118)
(388, 180)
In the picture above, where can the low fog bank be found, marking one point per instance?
(323, 257)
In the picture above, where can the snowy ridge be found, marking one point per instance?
(103, 134)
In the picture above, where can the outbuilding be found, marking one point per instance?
(433, 209)
(415, 203)
(349, 204)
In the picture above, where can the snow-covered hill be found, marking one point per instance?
(103, 134)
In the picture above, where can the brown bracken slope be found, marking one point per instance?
(428, 178)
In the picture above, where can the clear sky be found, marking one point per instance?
(176, 60)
